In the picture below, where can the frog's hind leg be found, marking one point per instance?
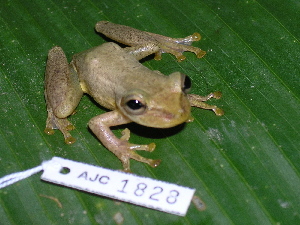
(62, 93)
(141, 52)
(62, 124)
(145, 43)
(176, 46)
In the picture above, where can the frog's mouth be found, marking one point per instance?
(162, 119)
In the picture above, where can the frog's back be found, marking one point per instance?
(108, 71)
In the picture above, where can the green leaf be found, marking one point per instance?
(245, 165)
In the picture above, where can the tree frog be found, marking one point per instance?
(115, 78)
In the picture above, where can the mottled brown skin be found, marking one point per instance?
(114, 77)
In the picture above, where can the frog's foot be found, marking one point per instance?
(199, 101)
(125, 137)
(177, 46)
(61, 124)
(131, 154)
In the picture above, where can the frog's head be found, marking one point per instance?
(168, 106)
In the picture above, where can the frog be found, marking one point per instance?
(131, 92)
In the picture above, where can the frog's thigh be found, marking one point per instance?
(63, 91)
(124, 34)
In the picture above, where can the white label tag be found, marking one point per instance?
(126, 187)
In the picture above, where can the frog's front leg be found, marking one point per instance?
(199, 101)
(62, 93)
(146, 43)
(100, 125)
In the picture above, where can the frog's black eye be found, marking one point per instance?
(186, 83)
(134, 104)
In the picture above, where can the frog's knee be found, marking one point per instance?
(63, 111)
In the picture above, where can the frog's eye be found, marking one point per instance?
(133, 104)
(186, 83)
